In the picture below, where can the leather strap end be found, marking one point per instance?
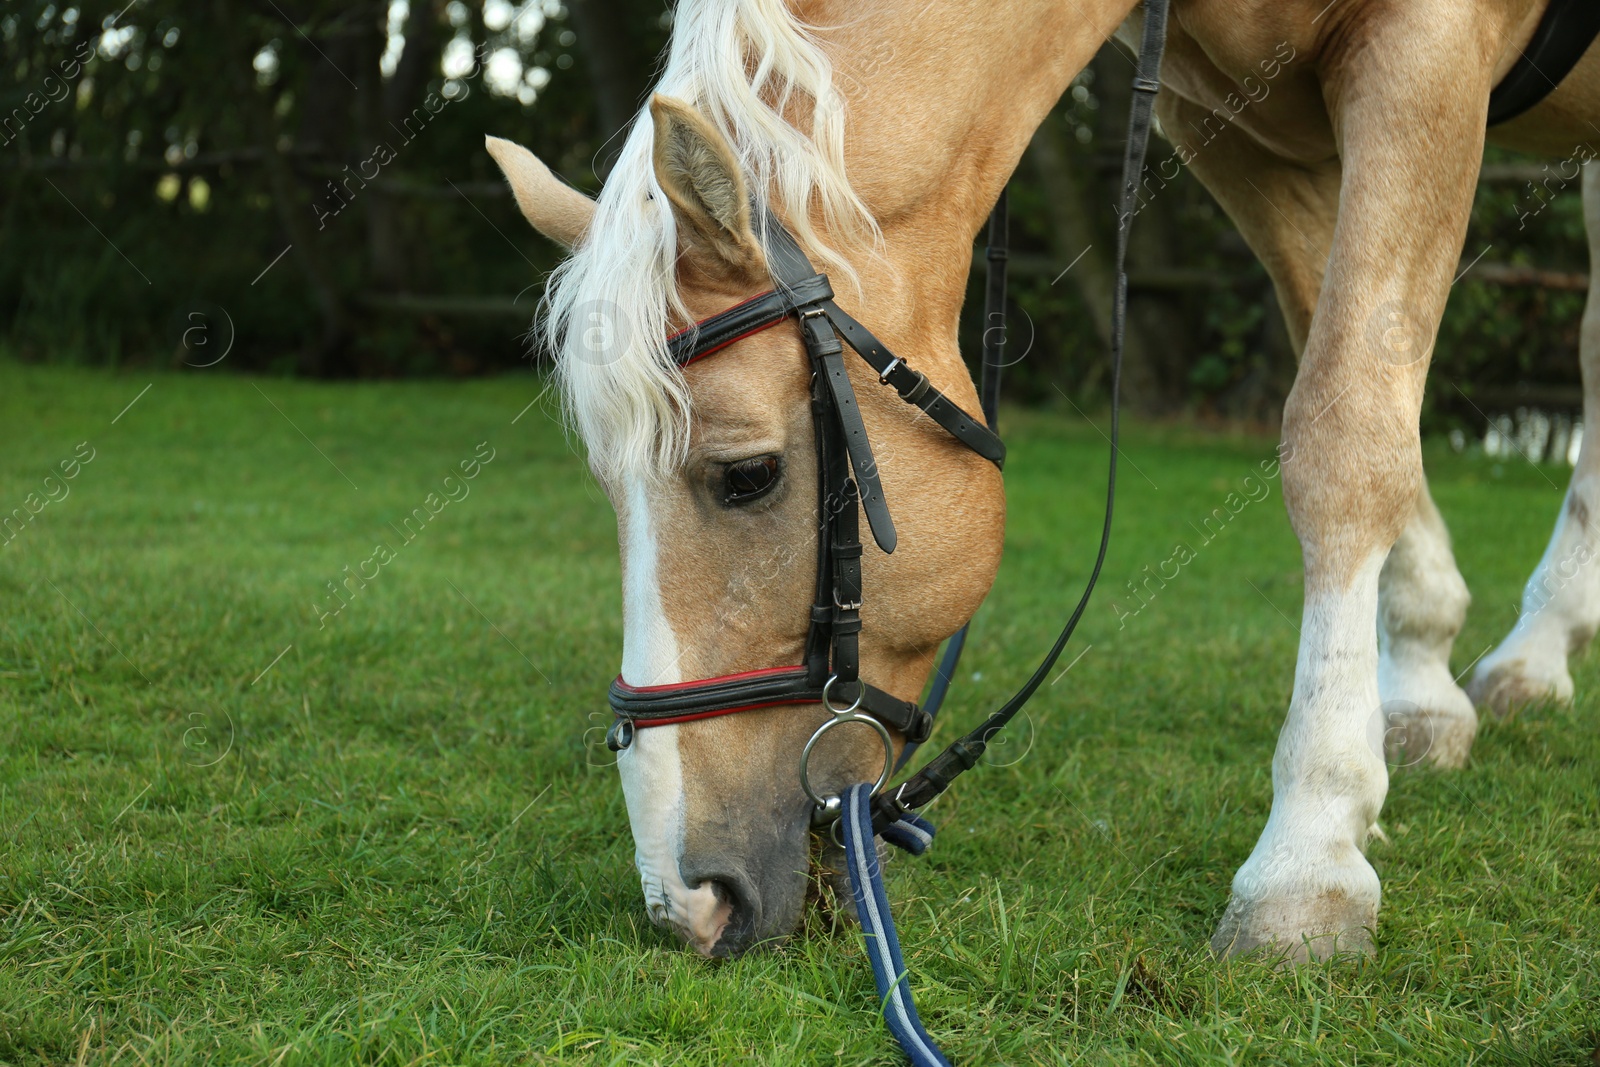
(915, 387)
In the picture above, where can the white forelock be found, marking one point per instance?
(606, 313)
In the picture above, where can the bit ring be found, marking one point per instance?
(828, 808)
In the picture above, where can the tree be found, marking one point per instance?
(313, 167)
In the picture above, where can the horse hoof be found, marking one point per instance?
(1424, 734)
(1294, 931)
(1506, 687)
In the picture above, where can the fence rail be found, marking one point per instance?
(1147, 280)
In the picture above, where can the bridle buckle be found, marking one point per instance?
(883, 379)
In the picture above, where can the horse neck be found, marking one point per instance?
(942, 99)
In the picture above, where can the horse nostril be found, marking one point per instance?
(743, 909)
(729, 915)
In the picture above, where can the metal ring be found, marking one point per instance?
(839, 720)
(862, 692)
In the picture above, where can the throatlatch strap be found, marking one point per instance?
(792, 271)
(914, 388)
(877, 926)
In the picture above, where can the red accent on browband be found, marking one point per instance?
(764, 672)
(741, 676)
(640, 724)
(732, 340)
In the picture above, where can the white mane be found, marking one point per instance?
(739, 62)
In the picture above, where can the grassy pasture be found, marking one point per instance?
(235, 829)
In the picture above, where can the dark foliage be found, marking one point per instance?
(304, 181)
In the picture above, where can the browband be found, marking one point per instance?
(742, 320)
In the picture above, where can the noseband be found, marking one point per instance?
(847, 485)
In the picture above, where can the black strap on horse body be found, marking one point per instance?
(963, 754)
(799, 288)
(827, 353)
(722, 330)
(996, 254)
(1565, 31)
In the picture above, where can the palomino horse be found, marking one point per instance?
(881, 134)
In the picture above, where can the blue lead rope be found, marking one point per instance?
(913, 834)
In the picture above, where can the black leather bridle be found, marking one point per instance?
(847, 485)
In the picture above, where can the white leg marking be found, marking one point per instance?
(1422, 602)
(651, 767)
(1560, 607)
(1307, 875)
(1561, 604)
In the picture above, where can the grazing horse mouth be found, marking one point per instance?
(705, 921)
(724, 916)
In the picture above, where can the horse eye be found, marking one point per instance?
(749, 479)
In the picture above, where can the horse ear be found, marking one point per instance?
(698, 172)
(556, 209)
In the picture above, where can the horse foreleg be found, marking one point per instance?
(1407, 94)
(1287, 212)
(1561, 602)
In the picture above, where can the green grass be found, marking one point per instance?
(403, 842)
